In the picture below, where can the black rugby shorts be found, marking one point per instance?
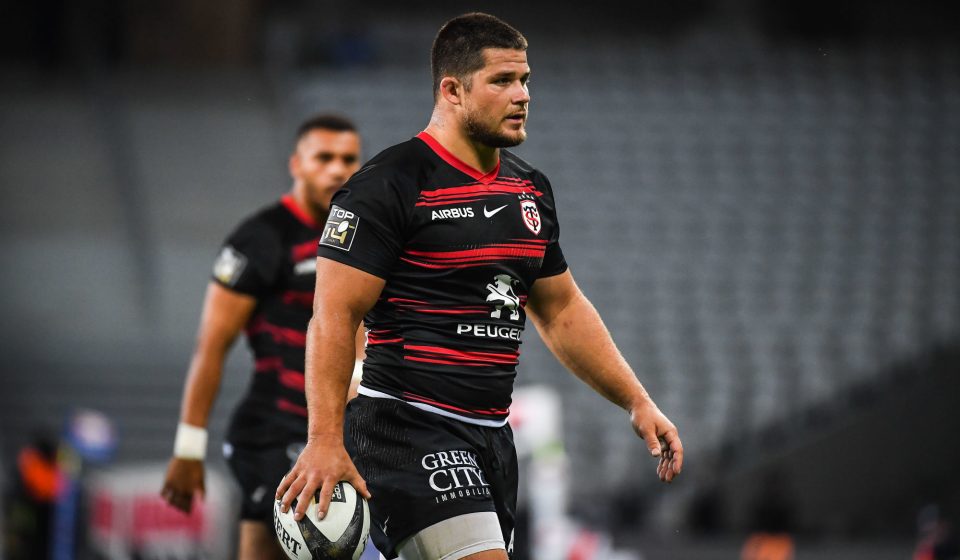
(258, 470)
(423, 468)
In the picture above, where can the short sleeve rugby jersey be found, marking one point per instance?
(459, 251)
(271, 256)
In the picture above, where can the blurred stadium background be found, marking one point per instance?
(762, 199)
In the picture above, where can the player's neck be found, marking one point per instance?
(299, 196)
(478, 156)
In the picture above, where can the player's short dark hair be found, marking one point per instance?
(325, 121)
(458, 47)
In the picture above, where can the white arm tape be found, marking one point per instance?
(358, 370)
(190, 443)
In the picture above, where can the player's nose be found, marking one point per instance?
(522, 96)
(337, 170)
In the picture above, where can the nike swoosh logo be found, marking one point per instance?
(490, 213)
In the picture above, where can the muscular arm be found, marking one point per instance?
(572, 329)
(343, 296)
(225, 312)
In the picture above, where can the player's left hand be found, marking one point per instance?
(661, 437)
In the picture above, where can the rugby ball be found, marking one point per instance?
(341, 535)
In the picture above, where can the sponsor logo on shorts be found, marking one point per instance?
(454, 474)
(257, 495)
(340, 229)
(451, 213)
(229, 265)
(293, 452)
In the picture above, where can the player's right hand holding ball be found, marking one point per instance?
(319, 467)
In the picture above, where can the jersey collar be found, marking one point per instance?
(458, 163)
(299, 213)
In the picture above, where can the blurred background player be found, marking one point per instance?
(263, 282)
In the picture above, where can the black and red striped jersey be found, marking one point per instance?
(271, 256)
(459, 251)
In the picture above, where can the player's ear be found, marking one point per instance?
(293, 165)
(451, 89)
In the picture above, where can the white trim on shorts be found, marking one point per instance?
(454, 538)
(367, 392)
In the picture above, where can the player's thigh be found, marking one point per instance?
(474, 536)
(488, 555)
(423, 469)
(257, 542)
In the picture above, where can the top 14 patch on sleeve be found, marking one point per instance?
(229, 265)
(340, 229)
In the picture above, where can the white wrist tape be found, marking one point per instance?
(190, 443)
(358, 370)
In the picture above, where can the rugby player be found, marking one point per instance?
(263, 281)
(443, 245)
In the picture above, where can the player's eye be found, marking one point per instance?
(324, 158)
(350, 160)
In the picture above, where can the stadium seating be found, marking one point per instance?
(762, 226)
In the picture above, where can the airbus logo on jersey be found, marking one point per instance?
(464, 212)
(452, 213)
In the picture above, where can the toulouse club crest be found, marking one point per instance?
(530, 215)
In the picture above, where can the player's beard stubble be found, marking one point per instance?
(491, 136)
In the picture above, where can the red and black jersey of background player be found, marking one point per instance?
(459, 251)
(272, 257)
